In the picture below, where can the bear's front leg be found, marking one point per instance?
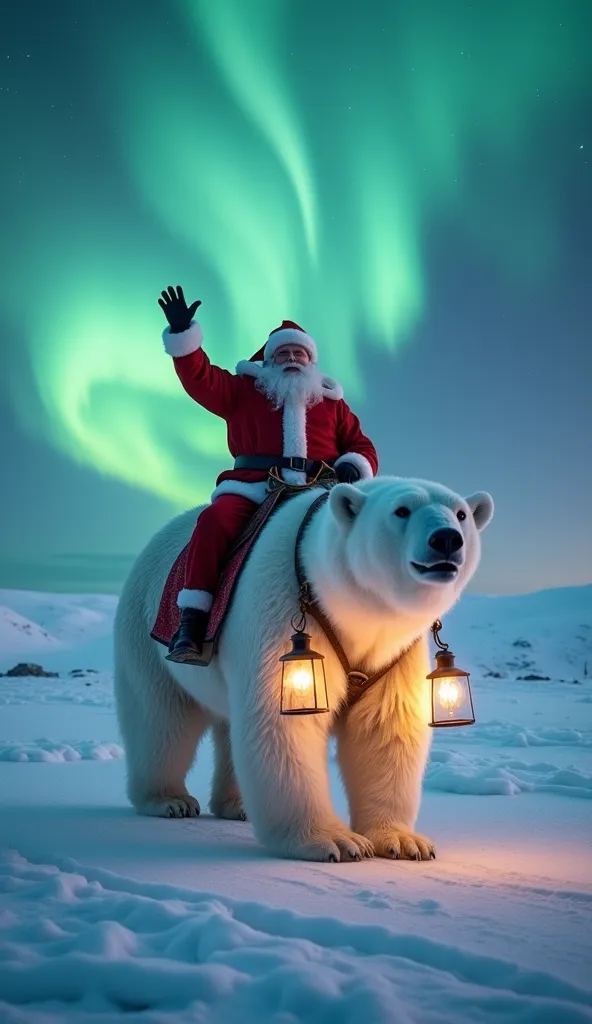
(383, 744)
(281, 768)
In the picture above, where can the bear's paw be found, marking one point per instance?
(401, 844)
(229, 808)
(332, 845)
(170, 807)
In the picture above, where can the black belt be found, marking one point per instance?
(267, 462)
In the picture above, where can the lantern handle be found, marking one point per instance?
(298, 621)
(435, 628)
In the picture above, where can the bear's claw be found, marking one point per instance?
(230, 809)
(401, 844)
(169, 807)
(333, 847)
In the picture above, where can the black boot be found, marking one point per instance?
(187, 642)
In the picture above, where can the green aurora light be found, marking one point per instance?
(289, 159)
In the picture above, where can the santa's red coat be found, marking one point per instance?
(327, 431)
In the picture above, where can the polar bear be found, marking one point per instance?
(385, 557)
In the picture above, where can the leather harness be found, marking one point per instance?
(358, 682)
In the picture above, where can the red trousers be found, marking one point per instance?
(218, 526)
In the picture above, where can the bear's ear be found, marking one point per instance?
(345, 502)
(481, 505)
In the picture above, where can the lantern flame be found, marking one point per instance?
(449, 694)
(299, 677)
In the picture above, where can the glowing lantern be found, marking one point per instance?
(304, 687)
(452, 702)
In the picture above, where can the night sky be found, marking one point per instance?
(409, 181)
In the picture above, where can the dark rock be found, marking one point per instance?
(29, 669)
(521, 643)
(533, 677)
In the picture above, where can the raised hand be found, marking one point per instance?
(175, 308)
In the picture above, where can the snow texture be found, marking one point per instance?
(53, 750)
(452, 772)
(106, 946)
(190, 920)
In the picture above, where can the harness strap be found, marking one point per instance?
(358, 682)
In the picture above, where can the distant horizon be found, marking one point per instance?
(95, 573)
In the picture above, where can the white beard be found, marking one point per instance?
(304, 385)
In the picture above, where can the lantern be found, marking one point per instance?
(304, 687)
(452, 702)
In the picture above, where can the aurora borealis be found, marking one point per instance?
(347, 166)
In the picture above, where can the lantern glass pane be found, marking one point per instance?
(303, 686)
(451, 700)
(321, 685)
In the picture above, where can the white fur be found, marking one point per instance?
(294, 437)
(357, 555)
(256, 491)
(184, 343)
(201, 600)
(251, 368)
(360, 462)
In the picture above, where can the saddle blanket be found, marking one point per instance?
(167, 619)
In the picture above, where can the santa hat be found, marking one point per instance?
(288, 333)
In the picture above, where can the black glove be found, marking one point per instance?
(347, 473)
(175, 309)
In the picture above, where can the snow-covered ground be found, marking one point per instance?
(107, 916)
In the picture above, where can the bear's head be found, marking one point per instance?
(410, 545)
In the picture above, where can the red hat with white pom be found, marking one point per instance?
(288, 333)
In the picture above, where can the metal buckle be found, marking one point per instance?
(297, 462)
(357, 678)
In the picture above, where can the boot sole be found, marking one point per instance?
(185, 657)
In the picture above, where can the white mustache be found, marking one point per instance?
(278, 384)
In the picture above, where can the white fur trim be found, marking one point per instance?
(247, 368)
(294, 437)
(201, 600)
(294, 428)
(185, 343)
(290, 336)
(360, 462)
(255, 490)
(331, 388)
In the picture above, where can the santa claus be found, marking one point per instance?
(280, 412)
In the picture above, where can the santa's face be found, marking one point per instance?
(291, 357)
(290, 376)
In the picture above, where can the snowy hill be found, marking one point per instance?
(51, 627)
(19, 635)
(546, 634)
(71, 618)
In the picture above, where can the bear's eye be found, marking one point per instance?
(461, 516)
(402, 512)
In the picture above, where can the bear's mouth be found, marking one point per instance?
(441, 569)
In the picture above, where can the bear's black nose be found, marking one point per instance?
(445, 541)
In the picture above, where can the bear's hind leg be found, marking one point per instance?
(225, 801)
(161, 727)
